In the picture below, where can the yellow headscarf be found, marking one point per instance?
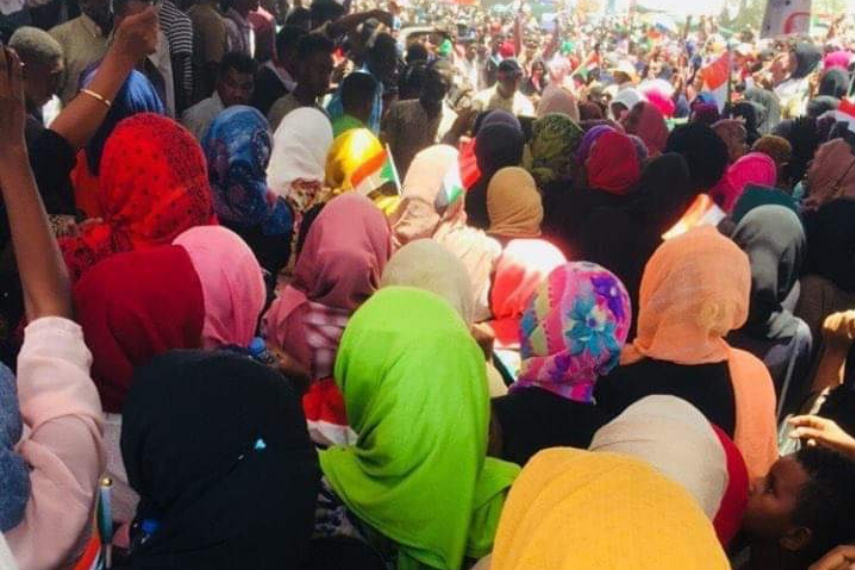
(572, 509)
(349, 151)
(513, 204)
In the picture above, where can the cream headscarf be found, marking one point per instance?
(513, 204)
(557, 99)
(300, 147)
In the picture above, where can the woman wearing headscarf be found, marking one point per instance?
(752, 115)
(647, 121)
(819, 106)
(570, 334)
(695, 289)
(516, 212)
(624, 237)
(612, 166)
(552, 151)
(802, 60)
(497, 145)
(137, 95)
(804, 139)
(557, 99)
(337, 270)
(774, 239)
(297, 167)
(432, 206)
(578, 509)
(201, 429)
(237, 147)
(831, 175)
(590, 111)
(705, 154)
(431, 466)
(834, 83)
(624, 102)
(771, 107)
(350, 151)
(701, 458)
(753, 168)
(153, 185)
(214, 297)
(779, 150)
(734, 135)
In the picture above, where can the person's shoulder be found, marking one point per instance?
(63, 30)
(198, 110)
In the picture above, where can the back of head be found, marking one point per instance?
(323, 11)
(665, 192)
(35, 47)
(349, 153)
(313, 43)
(612, 164)
(695, 289)
(287, 39)
(577, 509)
(428, 265)
(498, 145)
(357, 91)
(513, 204)
(677, 440)
(200, 428)
(704, 152)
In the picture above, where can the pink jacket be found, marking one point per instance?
(61, 443)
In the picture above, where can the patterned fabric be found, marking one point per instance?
(555, 138)
(573, 330)
(14, 474)
(237, 147)
(178, 28)
(154, 185)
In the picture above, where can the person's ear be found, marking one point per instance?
(796, 539)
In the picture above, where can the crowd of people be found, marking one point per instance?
(423, 286)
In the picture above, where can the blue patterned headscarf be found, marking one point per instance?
(137, 95)
(14, 475)
(237, 146)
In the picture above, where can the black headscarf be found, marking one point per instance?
(835, 83)
(774, 239)
(770, 103)
(804, 138)
(807, 57)
(217, 448)
(818, 106)
(831, 243)
(753, 114)
(704, 152)
(497, 145)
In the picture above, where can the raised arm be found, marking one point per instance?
(135, 39)
(44, 279)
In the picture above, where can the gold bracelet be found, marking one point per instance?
(98, 97)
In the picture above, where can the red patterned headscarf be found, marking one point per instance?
(153, 186)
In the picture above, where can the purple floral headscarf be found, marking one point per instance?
(573, 330)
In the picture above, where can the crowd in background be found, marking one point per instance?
(423, 285)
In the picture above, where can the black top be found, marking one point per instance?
(706, 386)
(533, 419)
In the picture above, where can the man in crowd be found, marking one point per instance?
(235, 84)
(505, 93)
(83, 41)
(209, 46)
(43, 67)
(314, 68)
(178, 29)
(413, 125)
(357, 97)
(276, 78)
(239, 32)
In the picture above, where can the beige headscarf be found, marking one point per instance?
(422, 213)
(557, 99)
(513, 204)
(831, 175)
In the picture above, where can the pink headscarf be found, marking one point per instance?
(557, 99)
(340, 265)
(839, 59)
(646, 121)
(232, 284)
(753, 168)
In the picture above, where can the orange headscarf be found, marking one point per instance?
(695, 290)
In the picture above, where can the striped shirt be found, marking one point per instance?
(178, 28)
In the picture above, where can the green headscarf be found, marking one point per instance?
(554, 141)
(415, 387)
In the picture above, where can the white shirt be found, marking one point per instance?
(199, 117)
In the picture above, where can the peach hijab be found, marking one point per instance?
(695, 290)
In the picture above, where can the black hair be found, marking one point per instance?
(311, 44)
(288, 37)
(238, 61)
(356, 89)
(325, 11)
(826, 502)
(416, 52)
(384, 46)
(299, 17)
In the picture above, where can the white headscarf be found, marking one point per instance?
(677, 440)
(300, 147)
